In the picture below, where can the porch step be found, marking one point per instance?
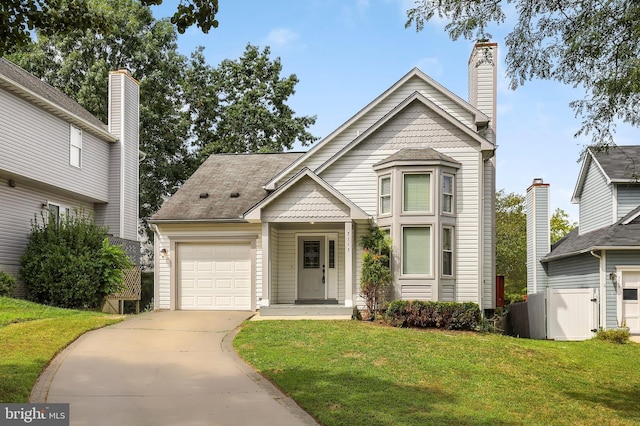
(304, 310)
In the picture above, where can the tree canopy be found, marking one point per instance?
(19, 18)
(243, 107)
(590, 44)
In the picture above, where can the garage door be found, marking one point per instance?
(214, 276)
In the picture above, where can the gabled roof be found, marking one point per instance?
(254, 213)
(623, 235)
(618, 164)
(27, 86)
(215, 181)
(485, 145)
(480, 117)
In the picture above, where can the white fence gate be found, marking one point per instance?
(572, 314)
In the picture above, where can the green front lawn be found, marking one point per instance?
(356, 373)
(31, 335)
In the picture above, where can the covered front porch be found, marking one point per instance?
(309, 251)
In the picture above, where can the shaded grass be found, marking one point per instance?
(31, 335)
(347, 372)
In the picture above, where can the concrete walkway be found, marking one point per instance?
(164, 368)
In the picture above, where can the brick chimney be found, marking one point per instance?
(121, 215)
(538, 234)
(483, 65)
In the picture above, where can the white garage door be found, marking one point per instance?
(214, 276)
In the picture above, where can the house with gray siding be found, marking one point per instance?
(592, 275)
(57, 158)
(272, 231)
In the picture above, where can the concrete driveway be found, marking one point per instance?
(164, 368)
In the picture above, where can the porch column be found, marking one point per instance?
(266, 273)
(348, 264)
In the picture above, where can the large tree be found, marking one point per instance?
(18, 18)
(243, 107)
(590, 44)
(511, 239)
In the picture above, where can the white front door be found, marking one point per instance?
(630, 300)
(311, 267)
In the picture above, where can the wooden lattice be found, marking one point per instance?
(133, 286)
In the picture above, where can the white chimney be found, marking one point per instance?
(124, 117)
(483, 65)
(538, 235)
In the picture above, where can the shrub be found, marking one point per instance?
(615, 335)
(447, 315)
(71, 264)
(7, 284)
(376, 272)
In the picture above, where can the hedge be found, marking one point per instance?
(446, 315)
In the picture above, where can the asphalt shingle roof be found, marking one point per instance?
(620, 162)
(218, 177)
(27, 80)
(616, 235)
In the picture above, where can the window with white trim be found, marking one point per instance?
(416, 192)
(75, 146)
(447, 251)
(385, 195)
(416, 250)
(447, 193)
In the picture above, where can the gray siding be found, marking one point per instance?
(35, 145)
(628, 196)
(121, 214)
(538, 236)
(489, 236)
(596, 201)
(581, 271)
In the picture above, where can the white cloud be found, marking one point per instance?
(281, 37)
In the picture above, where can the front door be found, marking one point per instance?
(631, 300)
(311, 268)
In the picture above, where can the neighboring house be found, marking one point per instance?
(56, 158)
(267, 231)
(591, 277)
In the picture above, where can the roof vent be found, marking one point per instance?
(204, 195)
(235, 194)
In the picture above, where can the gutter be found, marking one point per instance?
(169, 221)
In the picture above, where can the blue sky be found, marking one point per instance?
(346, 52)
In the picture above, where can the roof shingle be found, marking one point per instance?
(219, 176)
